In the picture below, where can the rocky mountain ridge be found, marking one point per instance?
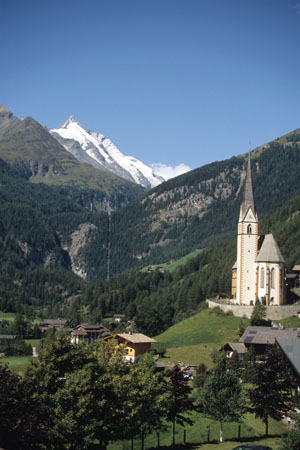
(29, 148)
(97, 150)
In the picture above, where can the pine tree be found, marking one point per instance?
(271, 395)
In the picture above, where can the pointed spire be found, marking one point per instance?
(248, 199)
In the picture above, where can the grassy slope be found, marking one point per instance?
(192, 340)
(290, 322)
(173, 266)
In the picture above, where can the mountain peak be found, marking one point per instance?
(70, 120)
(4, 110)
(97, 150)
(6, 118)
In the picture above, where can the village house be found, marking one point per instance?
(237, 347)
(261, 337)
(119, 317)
(136, 344)
(58, 324)
(88, 333)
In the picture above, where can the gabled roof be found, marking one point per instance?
(238, 347)
(269, 251)
(54, 322)
(79, 332)
(89, 327)
(84, 329)
(135, 338)
(291, 348)
(267, 335)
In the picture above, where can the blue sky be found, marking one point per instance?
(168, 81)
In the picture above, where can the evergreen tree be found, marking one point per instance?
(249, 365)
(271, 394)
(200, 376)
(258, 316)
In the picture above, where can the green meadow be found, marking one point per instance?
(194, 339)
(17, 364)
(171, 266)
(290, 322)
(7, 316)
(196, 436)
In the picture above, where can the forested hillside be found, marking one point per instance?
(186, 213)
(57, 240)
(198, 208)
(158, 300)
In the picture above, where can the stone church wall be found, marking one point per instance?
(273, 312)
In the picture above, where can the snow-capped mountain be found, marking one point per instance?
(97, 150)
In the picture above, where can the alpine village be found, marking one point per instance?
(147, 314)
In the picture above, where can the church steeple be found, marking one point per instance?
(248, 199)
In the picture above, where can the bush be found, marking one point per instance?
(16, 347)
(159, 349)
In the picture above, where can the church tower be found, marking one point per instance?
(244, 271)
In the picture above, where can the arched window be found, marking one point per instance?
(249, 229)
(262, 278)
(273, 278)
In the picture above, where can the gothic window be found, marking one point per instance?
(249, 229)
(273, 278)
(262, 278)
(280, 277)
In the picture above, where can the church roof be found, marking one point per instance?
(269, 251)
(248, 199)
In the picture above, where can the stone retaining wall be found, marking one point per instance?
(273, 312)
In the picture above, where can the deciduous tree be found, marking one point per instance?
(23, 422)
(221, 396)
(179, 401)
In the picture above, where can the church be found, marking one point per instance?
(258, 273)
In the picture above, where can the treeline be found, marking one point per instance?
(155, 300)
(141, 235)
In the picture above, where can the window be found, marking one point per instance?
(249, 229)
(273, 278)
(280, 277)
(262, 278)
